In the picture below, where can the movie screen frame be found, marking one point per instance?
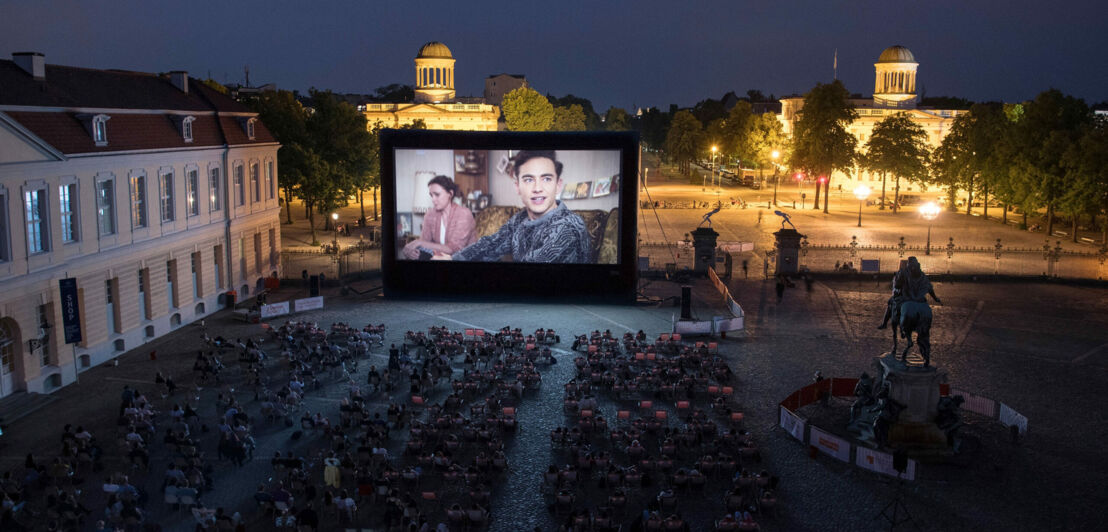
(488, 156)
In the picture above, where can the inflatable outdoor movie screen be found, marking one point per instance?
(491, 205)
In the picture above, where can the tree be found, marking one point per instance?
(821, 141)
(345, 146)
(286, 119)
(653, 127)
(684, 140)
(898, 146)
(1088, 161)
(1051, 124)
(592, 120)
(763, 135)
(733, 131)
(708, 109)
(571, 118)
(616, 119)
(393, 93)
(527, 110)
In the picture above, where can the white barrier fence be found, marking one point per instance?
(282, 308)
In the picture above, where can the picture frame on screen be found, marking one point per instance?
(543, 209)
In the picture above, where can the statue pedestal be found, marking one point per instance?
(704, 247)
(917, 388)
(788, 251)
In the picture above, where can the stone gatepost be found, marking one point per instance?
(704, 248)
(788, 251)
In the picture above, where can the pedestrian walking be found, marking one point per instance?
(746, 269)
(780, 286)
(808, 283)
(759, 217)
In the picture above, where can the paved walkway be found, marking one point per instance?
(1039, 348)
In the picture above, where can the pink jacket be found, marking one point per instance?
(460, 227)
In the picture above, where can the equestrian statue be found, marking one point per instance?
(909, 310)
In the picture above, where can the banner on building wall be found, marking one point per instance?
(882, 463)
(792, 424)
(308, 303)
(275, 309)
(71, 313)
(832, 445)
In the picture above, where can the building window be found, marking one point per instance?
(270, 189)
(67, 206)
(186, 128)
(240, 190)
(35, 208)
(144, 310)
(4, 228)
(7, 349)
(138, 201)
(214, 203)
(105, 203)
(165, 186)
(255, 186)
(192, 178)
(100, 129)
(250, 128)
(109, 302)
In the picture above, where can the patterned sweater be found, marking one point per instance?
(558, 236)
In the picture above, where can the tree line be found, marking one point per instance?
(1050, 153)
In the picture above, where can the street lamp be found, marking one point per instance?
(800, 188)
(703, 186)
(335, 226)
(929, 211)
(775, 155)
(861, 192)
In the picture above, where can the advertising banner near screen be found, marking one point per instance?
(505, 205)
(273, 310)
(308, 303)
(792, 424)
(882, 463)
(692, 327)
(1012, 418)
(832, 445)
(71, 313)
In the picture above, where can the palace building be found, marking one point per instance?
(435, 102)
(130, 204)
(894, 91)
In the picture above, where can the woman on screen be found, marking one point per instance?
(447, 227)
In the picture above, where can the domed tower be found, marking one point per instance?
(434, 74)
(896, 78)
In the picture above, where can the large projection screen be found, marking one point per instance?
(508, 215)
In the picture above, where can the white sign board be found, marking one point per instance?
(976, 403)
(792, 424)
(832, 445)
(308, 303)
(1012, 418)
(693, 327)
(728, 324)
(275, 309)
(882, 463)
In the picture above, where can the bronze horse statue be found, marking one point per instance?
(908, 317)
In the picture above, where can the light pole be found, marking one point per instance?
(775, 155)
(800, 189)
(714, 149)
(335, 224)
(929, 211)
(861, 192)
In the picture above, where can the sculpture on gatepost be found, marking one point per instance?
(708, 216)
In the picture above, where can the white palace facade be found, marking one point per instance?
(894, 92)
(155, 193)
(435, 102)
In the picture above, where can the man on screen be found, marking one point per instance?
(545, 230)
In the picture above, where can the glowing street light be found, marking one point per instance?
(929, 211)
(775, 154)
(703, 185)
(861, 192)
(335, 224)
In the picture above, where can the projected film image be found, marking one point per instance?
(536, 206)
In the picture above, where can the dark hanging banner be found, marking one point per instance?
(71, 314)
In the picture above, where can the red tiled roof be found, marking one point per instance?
(71, 87)
(66, 133)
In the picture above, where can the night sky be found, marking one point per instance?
(623, 53)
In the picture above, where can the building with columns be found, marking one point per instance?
(156, 194)
(435, 101)
(894, 91)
